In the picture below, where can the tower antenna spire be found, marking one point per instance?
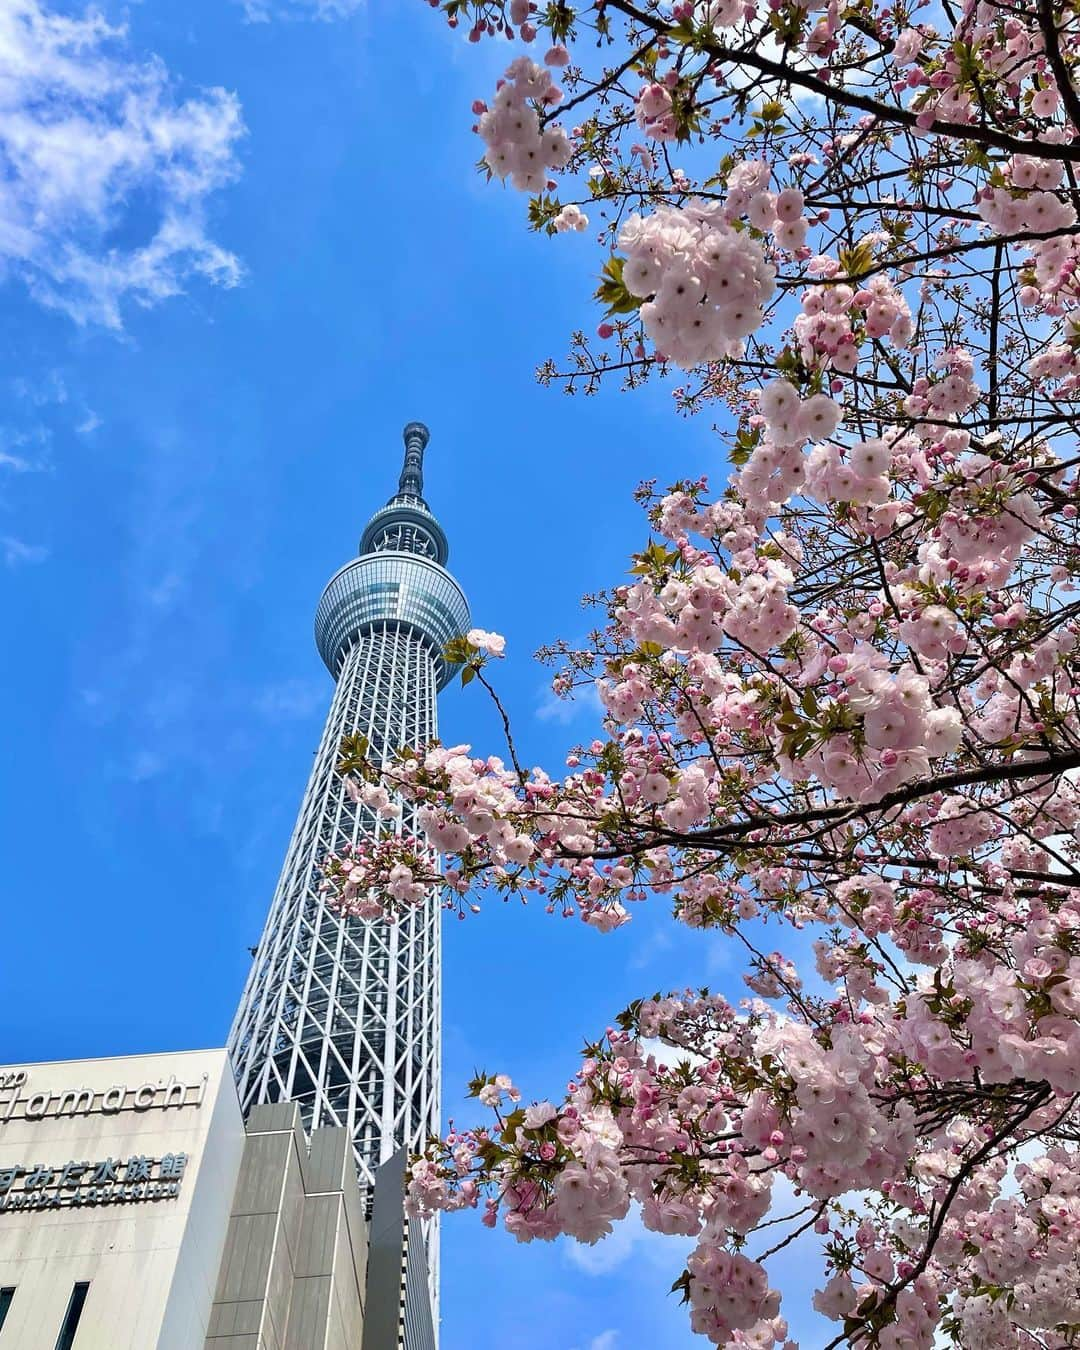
(416, 437)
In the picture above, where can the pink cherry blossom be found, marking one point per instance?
(839, 690)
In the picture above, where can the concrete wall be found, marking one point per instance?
(398, 1294)
(151, 1264)
(292, 1273)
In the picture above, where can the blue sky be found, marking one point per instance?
(180, 475)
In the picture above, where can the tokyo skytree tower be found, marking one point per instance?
(344, 1016)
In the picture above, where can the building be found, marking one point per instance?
(343, 1017)
(294, 1261)
(251, 1199)
(116, 1183)
(138, 1213)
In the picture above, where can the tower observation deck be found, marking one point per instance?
(343, 1016)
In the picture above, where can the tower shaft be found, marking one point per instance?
(343, 1016)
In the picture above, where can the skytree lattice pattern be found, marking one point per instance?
(344, 1016)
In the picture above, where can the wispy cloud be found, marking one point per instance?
(16, 553)
(145, 764)
(96, 144)
(24, 450)
(655, 1258)
(164, 593)
(563, 711)
(652, 945)
(607, 1340)
(669, 1054)
(16, 463)
(292, 699)
(26, 442)
(606, 1255)
(628, 1238)
(262, 11)
(42, 391)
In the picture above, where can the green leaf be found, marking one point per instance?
(559, 17)
(353, 751)
(975, 156)
(612, 290)
(542, 212)
(857, 260)
(512, 1123)
(655, 560)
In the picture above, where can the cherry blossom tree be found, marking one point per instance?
(842, 693)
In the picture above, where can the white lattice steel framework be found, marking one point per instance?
(344, 1016)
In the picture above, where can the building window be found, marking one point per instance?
(6, 1295)
(66, 1339)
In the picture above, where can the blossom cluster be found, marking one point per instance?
(518, 146)
(638, 1129)
(704, 284)
(839, 696)
(836, 319)
(709, 643)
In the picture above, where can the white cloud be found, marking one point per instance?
(16, 463)
(261, 11)
(25, 449)
(164, 593)
(601, 1258)
(95, 142)
(563, 711)
(41, 392)
(607, 1340)
(738, 76)
(670, 1055)
(16, 552)
(292, 699)
(144, 765)
(628, 1238)
(650, 946)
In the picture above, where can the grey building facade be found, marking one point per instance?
(302, 1268)
(294, 1266)
(399, 1311)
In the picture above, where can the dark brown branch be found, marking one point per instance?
(1048, 12)
(752, 57)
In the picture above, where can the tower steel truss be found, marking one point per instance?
(343, 1016)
